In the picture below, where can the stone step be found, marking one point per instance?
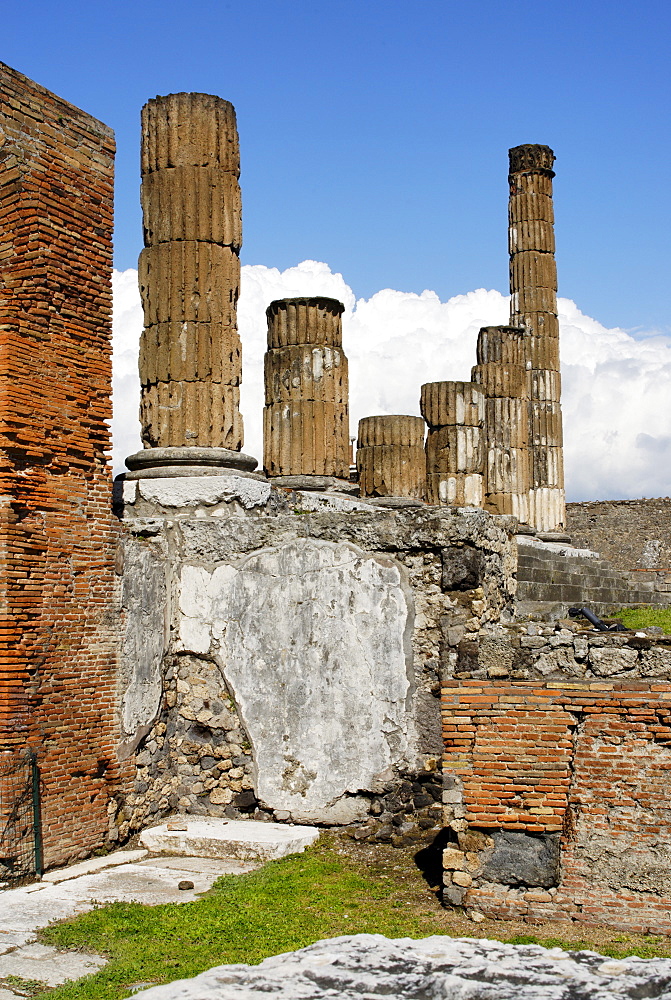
(244, 840)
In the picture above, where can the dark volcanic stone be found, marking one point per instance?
(521, 859)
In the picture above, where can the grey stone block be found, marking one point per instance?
(522, 859)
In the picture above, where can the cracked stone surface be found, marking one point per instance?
(434, 968)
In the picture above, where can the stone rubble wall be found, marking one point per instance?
(283, 651)
(556, 769)
(57, 534)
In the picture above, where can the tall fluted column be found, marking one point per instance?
(455, 413)
(533, 290)
(189, 275)
(501, 375)
(306, 416)
(390, 457)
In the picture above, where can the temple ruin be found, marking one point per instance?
(384, 653)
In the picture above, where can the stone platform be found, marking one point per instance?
(235, 839)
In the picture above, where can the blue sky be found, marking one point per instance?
(375, 134)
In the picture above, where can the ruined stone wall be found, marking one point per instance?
(283, 650)
(556, 765)
(57, 538)
(631, 534)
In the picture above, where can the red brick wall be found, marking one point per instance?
(591, 759)
(57, 536)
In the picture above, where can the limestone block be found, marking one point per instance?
(543, 352)
(444, 403)
(530, 206)
(191, 351)
(516, 504)
(455, 449)
(305, 321)
(546, 424)
(455, 489)
(189, 130)
(609, 660)
(547, 467)
(532, 269)
(314, 641)
(188, 281)
(501, 380)
(507, 422)
(144, 641)
(306, 437)
(390, 456)
(243, 840)
(536, 324)
(531, 234)
(547, 508)
(404, 431)
(433, 968)
(507, 470)
(544, 385)
(183, 414)
(504, 345)
(306, 372)
(192, 203)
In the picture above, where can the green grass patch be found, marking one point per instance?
(642, 617)
(333, 888)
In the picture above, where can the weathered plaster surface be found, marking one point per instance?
(314, 641)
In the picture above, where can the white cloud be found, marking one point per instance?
(617, 417)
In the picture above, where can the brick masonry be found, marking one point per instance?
(57, 536)
(560, 749)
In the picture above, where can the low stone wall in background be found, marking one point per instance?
(631, 534)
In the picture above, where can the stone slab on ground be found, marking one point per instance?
(429, 969)
(47, 965)
(93, 865)
(29, 908)
(244, 840)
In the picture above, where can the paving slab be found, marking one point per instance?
(94, 865)
(147, 880)
(245, 840)
(47, 965)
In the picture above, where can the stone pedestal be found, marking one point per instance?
(533, 288)
(390, 457)
(189, 276)
(501, 375)
(306, 416)
(455, 413)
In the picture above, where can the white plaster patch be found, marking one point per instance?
(190, 491)
(314, 641)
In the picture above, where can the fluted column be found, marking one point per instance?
(306, 416)
(390, 457)
(501, 375)
(533, 289)
(454, 412)
(189, 274)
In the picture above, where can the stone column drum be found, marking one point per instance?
(455, 414)
(189, 275)
(501, 375)
(306, 416)
(390, 457)
(533, 304)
